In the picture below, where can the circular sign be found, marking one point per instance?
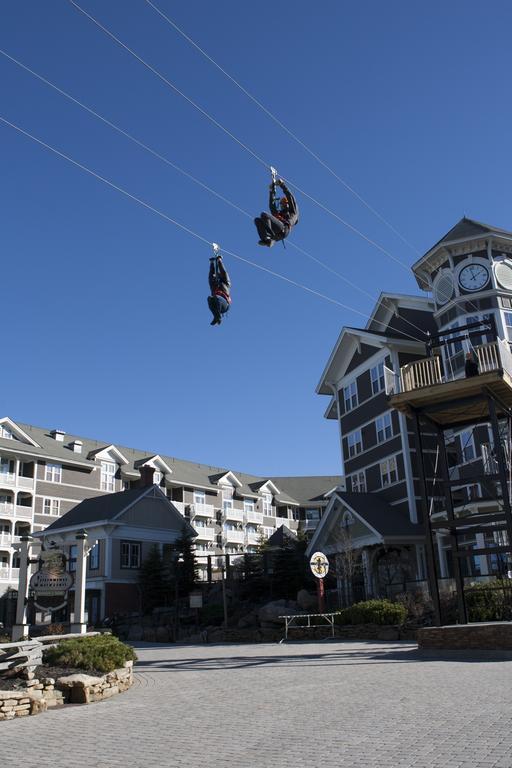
(319, 564)
(51, 582)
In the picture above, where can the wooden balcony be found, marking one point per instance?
(450, 401)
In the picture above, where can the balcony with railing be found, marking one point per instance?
(204, 533)
(429, 383)
(254, 517)
(230, 513)
(180, 506)
(202, 510)
(253, 538)
(234, 537)
(7, 479)
(7, 539)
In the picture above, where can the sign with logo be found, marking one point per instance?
(51, 583)
(319, 565)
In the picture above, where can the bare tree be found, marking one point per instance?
(346, 563)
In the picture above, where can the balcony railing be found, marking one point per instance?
(25, 482)
(234, 537)
(427, 372)
(7, 478)
(16, 511)
(7, 539)
(9, 574)
(233, 514)
(204, 533)
(202, 510)
(254, 517)
(180, 506)
(253, 538)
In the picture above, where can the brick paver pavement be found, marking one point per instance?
(321, 705)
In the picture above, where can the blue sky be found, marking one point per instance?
(105, 325)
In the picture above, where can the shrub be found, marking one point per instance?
(102, 653)
(373, 612)
(490, 601)
(211, 615)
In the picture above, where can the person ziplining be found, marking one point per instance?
(284, 214)
(219, 299)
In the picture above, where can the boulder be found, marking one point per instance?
(306, 601)
(268, 614)
(250, 620)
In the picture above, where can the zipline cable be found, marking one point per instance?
(177, 223)
(185, 173)
(232, 136)
(283, 126)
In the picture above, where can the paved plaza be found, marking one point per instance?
(321, 705)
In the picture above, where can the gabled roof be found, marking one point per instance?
(282, 538)
(108, 449)
(108, 507)
(309, 490)
(229, 477)
(383, 521)
(465, 229)
(17, 431)
(152, 461)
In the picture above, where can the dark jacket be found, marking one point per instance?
(289, 217)
(220, 284)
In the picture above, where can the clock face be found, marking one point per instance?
(473, 277)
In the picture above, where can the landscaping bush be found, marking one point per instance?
(373, 612)
(211, 615)
(491, 601)
(102, 653)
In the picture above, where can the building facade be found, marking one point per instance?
(469, 273)
(46, 473)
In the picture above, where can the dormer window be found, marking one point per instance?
(267, 504)
(108, 472)
(5, 433)
(157, 477)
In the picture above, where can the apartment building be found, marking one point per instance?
(469, 272)
(46, 473)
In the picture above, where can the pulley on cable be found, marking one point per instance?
(284, 214)
(219, 299)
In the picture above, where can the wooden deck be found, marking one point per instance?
(459, 401)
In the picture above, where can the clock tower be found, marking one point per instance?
(469, 272)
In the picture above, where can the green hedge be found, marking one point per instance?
(102, 653)
(491, 601)
(373, 612)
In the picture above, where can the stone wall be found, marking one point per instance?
(38, 695)
(495, 636)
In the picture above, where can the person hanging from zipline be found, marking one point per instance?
(284, 214)
(219, 299)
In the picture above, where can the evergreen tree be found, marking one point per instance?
(152, 582)
(186, 566)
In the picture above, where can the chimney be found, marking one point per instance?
(58, 435)
(146, 476)
(76, 446)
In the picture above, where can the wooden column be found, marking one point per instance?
(20, 628)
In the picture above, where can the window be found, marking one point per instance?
(157, 477)
(73, 551)
(248, 505)
(358, 482)
(350, 396)
(94, 557)
(507, 317)
(354, 443)
(199, 497)
(377, 377)
(467, 445)
(267, 504)
(6, 466)
(267, 532)
(384, 428)
(51, 506)
(130, 554)
(4, 432)
(53, 473)
(108, 471)
(388, 471)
